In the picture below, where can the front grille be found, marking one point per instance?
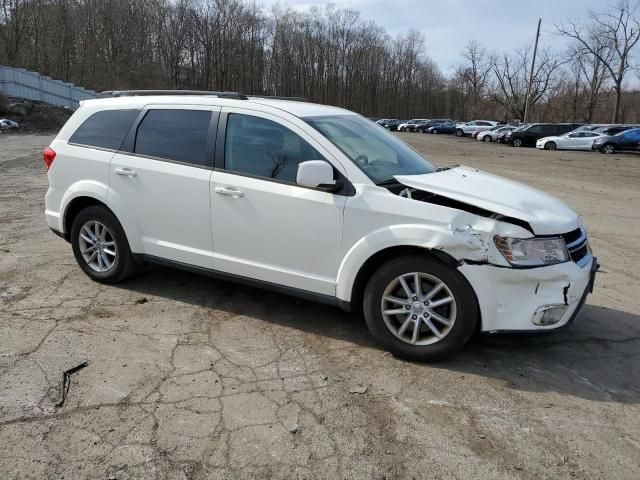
(578, 245)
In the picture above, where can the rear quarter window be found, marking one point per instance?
(105, 129)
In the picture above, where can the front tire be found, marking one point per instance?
(486, 138)
(550, 146)
(516, 142)
(459, 133)
(100, 245)
(608, 149)
(420, 309)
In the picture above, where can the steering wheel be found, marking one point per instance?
(361, 160)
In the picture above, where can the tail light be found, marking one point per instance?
(49, 156)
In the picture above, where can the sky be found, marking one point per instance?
(447, 25)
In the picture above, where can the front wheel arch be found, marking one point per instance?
(377, 259)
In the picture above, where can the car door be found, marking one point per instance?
(629, 140)
(265, 226)
(569, 141)
(161, 179)
(532, 134)
(585, 140)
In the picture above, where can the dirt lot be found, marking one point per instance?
(189, 377)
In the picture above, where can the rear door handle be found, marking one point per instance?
(127, 172)
(232, 192)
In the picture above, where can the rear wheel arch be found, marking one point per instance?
(78, 204)
(74, 207)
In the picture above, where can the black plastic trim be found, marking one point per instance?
(252, 282)
(140, 93)
(58, 233)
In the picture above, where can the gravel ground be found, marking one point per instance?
(190, 377)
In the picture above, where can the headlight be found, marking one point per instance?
(532, 252)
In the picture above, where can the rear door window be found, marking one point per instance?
(177, 135)
(105, 129)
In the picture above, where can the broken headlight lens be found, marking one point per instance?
(532, 252)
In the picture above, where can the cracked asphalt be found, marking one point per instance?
(192, 378)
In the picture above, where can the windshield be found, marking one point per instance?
(378, 153)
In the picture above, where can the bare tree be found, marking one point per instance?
(511, 74)
(474, 74)
(329, 55)
(14, 24)
(610, 37)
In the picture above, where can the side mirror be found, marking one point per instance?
(316, 173)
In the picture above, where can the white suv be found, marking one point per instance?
(318, 202)
(475, 126)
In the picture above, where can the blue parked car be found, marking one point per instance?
(448, 128)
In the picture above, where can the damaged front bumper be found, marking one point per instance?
(530, 300)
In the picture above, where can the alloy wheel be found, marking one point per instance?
(97, 246)
(418, 308)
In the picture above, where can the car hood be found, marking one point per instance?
(546, 214)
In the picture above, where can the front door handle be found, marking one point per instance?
(232, 192)
(127, 172)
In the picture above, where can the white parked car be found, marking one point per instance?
(469, 128)
(6, 124)
(314, 201)
(410, 125)
(491, 135)
(575, 140)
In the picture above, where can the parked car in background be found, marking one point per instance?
(410, 125)
(446, 128)
(492, 134)
(528, 136)
(575, 140)
(390, 123)
(6, 124)
(626, 141)
(423, 127)
(504, 137)
(614, 129)
(469, 128)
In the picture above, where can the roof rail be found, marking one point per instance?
(136, 93)
(278, 97)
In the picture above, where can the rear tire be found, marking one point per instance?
(100, 245)
(396, 331)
